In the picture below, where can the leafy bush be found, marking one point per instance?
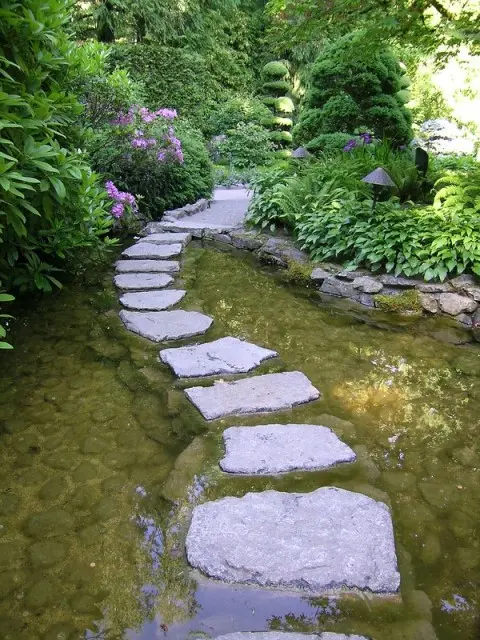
(240, 109)
(190, 82)
(353, 88)
(4, 297)
(166, 168)
(276, 88)
(329, 143)
(102, 94)
(231, 176)
(247, 145)
(52, 205)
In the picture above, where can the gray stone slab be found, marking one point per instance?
(223, 215)
(166, 325)
(142, 281)
(152, 300)
(316, 542)
(285, 635)
(227, 355)
(260, 394)
(149, 251)
(168, 238)
(147, 266)
(277, 448)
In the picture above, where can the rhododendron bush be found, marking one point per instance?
(154, 157)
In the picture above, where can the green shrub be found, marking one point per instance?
(159, 185)
(240, 109)
(281, 136)
(102, 94)
(354, 88)
(4, 297)
(275, 69)
(246, 146)
(190, 81)
(329, 143)
(284, 105)
(52, 205)
(277, 87)
(274, 122)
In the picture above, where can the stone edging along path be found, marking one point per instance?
(457, 298)
(325, 541)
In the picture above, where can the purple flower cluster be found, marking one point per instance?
(353, 143)
(149, 116)
(125, 119)
(173, 149)
(121, 200)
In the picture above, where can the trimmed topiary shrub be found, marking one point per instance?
(276, 87)
(355, 89)
(329, 143)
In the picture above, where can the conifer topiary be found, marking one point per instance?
(276, 87)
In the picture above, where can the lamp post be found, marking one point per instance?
(379, 179)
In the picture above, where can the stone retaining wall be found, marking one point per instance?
(458, 298)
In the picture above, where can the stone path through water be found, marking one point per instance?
(328, 540)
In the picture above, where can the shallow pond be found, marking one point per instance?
(102, 459)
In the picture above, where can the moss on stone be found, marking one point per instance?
(298, 273)
(406, 301)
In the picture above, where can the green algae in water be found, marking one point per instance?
(97, 439)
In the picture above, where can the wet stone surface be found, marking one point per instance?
(152, 300)
(147, 266)
(227, 355)
(260, 394)
(167, 238)
(277, 448)
(142, 281)
(166, 325)
(149, 251)
(351, 545)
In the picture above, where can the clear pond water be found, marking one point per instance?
(102, 459)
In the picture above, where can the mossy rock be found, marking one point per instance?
(407, 301)
(298, 273)
(47, 554)
(42, 594)
(84, 472)
(53, 489)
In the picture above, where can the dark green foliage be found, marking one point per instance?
(182, 79)
(330, 210)
(275, 69)
(240, 109)
(4, 297)
(277, 87)
(160, 186)
(329, 143)
(52, 205)
(276, 122)
(102, 94)
(353, 88)
(246, 146)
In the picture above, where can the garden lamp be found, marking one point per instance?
(379, 179)
(300, 153)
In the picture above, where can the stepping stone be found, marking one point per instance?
(260, 394)
(152, 300)
(148, 266)
(286, 635)
(166, 325)
(139, 281)
(227, 355)
(167, 238)
(150, 251)
(316, 543)
(277, 448)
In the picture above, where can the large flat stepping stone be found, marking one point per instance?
(166, 325)
(277, 448)
(167, 238)
(150, 251)
(152, 300)
(316, 542)
(260, 394)
(227, 355)
(147, 266)
(285, 635)
(142, 281)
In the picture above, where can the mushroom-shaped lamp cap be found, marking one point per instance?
(301, 152)
(379, 177)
